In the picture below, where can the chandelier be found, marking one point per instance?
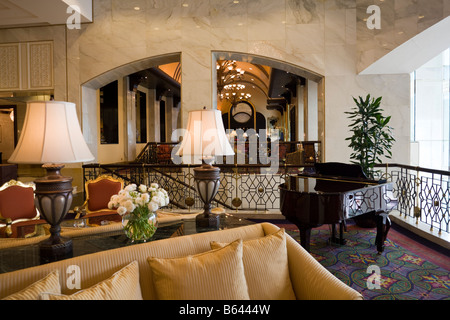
(233, 93)
(228, 74)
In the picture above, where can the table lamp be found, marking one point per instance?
(51, 136)
(204, 140)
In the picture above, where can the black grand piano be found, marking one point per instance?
(332, 194)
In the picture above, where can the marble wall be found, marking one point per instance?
(328, 39)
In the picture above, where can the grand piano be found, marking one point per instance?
(332, 194)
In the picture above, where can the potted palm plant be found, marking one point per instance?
(372, 135)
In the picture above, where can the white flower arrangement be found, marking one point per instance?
(137, 206)
(131, 198)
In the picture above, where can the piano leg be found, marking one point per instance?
(305, 237)
(342, 226)
(383, 226)
(333, 238)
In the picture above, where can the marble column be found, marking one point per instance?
(196, 90)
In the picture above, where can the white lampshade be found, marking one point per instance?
(51, 134)
(205, 136)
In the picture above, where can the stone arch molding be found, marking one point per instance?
(129, 68)
(268, 61)
(135, 66)
(262, 60)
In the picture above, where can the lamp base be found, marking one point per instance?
(207, 179)
(205, 220)
(53, 197)
(55, 249)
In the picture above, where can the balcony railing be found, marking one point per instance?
(419, 192)
(249, 187)
(245, 182)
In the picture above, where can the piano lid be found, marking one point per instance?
(339, 177)
(340, 169)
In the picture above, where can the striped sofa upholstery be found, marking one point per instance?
(309, 279)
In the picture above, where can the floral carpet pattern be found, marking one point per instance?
(396, 274)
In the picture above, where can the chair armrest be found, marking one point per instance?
(8, 224)
(80, 210)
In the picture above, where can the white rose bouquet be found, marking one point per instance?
(138, 208)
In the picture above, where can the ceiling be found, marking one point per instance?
(164, 79)
(24, 13)
(278, 86)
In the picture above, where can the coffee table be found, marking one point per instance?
(26, 256)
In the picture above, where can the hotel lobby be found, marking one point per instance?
(279, 78)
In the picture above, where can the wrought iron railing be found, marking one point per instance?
(419, 192)
(249, 187)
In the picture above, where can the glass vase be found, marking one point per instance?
(139, 228)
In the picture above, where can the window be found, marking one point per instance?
(109, 114)
(430, 114)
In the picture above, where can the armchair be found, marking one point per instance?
(98, 194)
(17, 209)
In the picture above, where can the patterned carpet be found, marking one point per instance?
(409, 270)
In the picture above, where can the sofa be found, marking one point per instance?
(258, 261)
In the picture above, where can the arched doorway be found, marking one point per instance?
(288, 97)
(133, 81)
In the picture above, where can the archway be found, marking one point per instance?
(125, 149)
(309, 112)
(305, 112)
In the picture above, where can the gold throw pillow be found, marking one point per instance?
(266, 267)
(49, 283)
(122, 285)
(212, 275)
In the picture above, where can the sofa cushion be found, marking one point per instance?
(122, 285)
(49, 283)
(266, 267)
(212, 275)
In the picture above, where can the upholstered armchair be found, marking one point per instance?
(17, 209)
(98, 194)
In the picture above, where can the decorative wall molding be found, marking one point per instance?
(40, 62)
(10, 66)
(26, 66)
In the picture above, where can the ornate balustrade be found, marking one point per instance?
(419, 192)
(249, 187)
